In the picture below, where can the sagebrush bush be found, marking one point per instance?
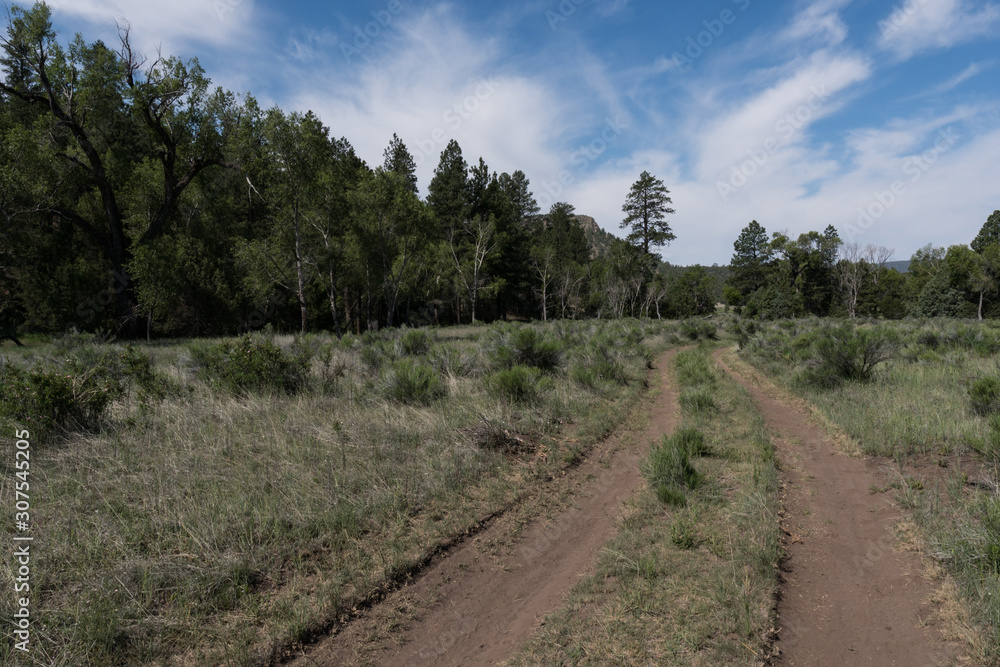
(449, 360)
(984, 395)
(411, 381)
(377, 354)
(699, 329)
(251, 363)
(849, 354)
(414, 342)
(519, 384)
(524, 346)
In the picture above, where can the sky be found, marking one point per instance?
(879, 118)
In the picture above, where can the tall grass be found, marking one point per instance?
(254, 507)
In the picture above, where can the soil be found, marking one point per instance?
(478, 602)
(850, 596)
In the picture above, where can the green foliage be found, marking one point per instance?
(415, 342)
(250, 364)
(683, 531)
(523, 346)
(518, 384)
(773, 302)
(412, 381)
(693, 368)
(646, 208)
(699, 330)
(984, 395)
(751, 264)
(698, 399)
(850, 354)
(669, 470)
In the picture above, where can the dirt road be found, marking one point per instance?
(474, 606)
(849, 597)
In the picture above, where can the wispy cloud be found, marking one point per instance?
(926, 25)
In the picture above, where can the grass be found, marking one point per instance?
(930, 411)
(217, 526)
(691, 585)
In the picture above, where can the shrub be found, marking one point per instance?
(849, 354)
(449, 360)
(524, 346)
(376, 354)
(984, 395)
(251, 364)
(414, 342)
(520, 384)
(410, 381)
(699, 329)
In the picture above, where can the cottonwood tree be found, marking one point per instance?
(646, 208)
(127, 135)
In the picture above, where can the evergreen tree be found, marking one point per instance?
(646, 208)
(751, 264)
(516, 187)
(396, 158)
(448, 193)
(989, 234)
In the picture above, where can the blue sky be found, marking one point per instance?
(880, 118)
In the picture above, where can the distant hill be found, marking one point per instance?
(599, 240)
(902, 265)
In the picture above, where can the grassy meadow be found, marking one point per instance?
(217, 502)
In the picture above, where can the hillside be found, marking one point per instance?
(599, 239)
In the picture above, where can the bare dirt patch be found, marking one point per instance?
(475, 604)
(850, 595)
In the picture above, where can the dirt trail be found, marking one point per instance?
(848, 598)
(483, 606)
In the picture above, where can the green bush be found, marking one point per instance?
(849, 354)
(984, 395)
(699, 329)
(450, 360)
(411, 381)
(251, 364)
(519, 384)
(414, 342)
(524, 346)
(73, 396)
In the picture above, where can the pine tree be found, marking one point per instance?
(989, 234)
(751, 264)
(646, 209)
(399, 160)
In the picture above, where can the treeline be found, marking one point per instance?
(137, 199)
(817, 274)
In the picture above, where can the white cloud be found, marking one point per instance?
(924, 25)
(819, 19)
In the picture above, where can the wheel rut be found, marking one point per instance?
(848, 596)
(474, 608)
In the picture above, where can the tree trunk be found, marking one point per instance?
(980, 305)
(332, 293)
(300, 272)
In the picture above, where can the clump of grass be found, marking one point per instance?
(251, 364)
(699, 329)
(683, 531)
(984, 395)
(410, 381)
(693, 367)
(518, 384)
(698, 399)
(669, 470)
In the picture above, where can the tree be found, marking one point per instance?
(989, 234)
(397, 158)
(112, 119)
(522, 201)
(751, 265)
(646, 208)
(448, 193)
(471, 245)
